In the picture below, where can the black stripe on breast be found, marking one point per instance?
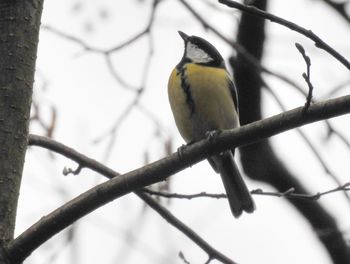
(187, 89)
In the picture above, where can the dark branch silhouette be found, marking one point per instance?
(86, 162)
(212, 253)
(306, 32)
(260, 162)
(311, 146)
(290, 193)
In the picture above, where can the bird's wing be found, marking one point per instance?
(233, 91)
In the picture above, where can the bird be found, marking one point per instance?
(203, 99)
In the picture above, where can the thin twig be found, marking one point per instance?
(113, 49)
(184, 196)
(290, 193)
(212, 253)
(67, 171)
(306, 75)
(308, 142)
(208, 260)
(332, 131)
(183, 258)
(116, 76)
(112, 132)
(319, 43)
(151, 116)
(71, 38)
(138, 90)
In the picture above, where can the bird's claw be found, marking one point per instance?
(211, 135)
(181, 149)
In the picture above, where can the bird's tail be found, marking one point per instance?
(237, 192)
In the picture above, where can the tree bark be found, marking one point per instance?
(259, 160)
(19, 30)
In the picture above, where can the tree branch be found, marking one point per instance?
(94, 165)
(138, 90)
(118, 47)
(166, 214)
(313, 149)
(290, 193)
(212, 252)
(157, 171)
(306, 32)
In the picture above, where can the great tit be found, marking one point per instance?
(203, 98)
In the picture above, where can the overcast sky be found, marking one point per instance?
(89, 101)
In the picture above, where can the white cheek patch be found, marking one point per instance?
(196, 54)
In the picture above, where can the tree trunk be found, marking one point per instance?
(19, 30)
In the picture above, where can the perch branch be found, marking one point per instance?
(159, 170)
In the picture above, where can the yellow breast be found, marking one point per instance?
(208, 90)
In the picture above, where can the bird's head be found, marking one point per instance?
(200, 51)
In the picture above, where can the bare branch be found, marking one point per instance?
(118, 47)
(82, 160)
(36, 117)
(208, 260)
(71, 38)
(137, 90)
(184, 196)
(138, 93)
(112, 132)
(159, 170)
(306, 75)
(212, 253)
(259, 160)
(317, 155)
(99, 167)
(332, 131)
(67, 171)
(182, 257)
(293, 195)
(116, 76)
(307, 33)
(290, 193)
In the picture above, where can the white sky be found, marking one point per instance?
(89, 101)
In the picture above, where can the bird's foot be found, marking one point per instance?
(181, 149)
(212, 135)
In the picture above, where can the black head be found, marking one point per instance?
(200, 51)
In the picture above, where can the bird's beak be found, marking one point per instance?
(183, 35)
